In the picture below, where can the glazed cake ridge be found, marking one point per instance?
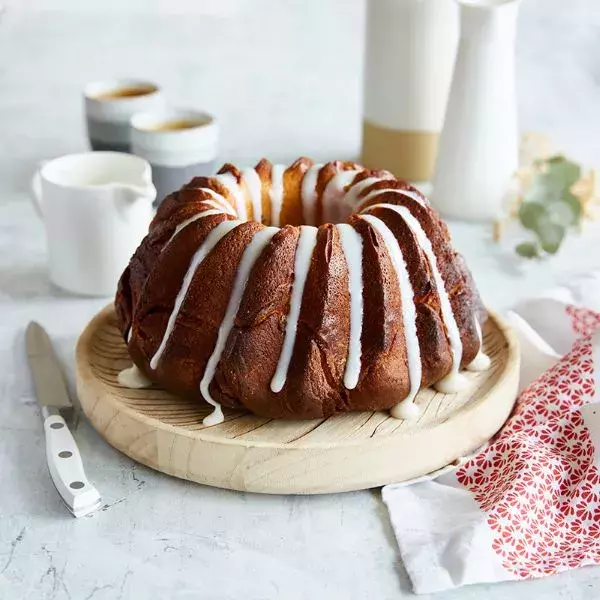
(303, 323)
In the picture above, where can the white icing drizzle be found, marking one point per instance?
(451, 383)
(209, 243)
(218, 201)
(482, 361)
(224, 209)
(184, 224)
(230, 182)
(454, 381)
(133, 378)
(333, 195)
(408, 193)
(129, 334)
(249, 257)
(351, 197)
(306, 244)
(352, 247)
(276, 193)
(339, 197)
(254, 184)
(406, 408)
(309, 194)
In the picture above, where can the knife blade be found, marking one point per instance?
(48, 379)
(62, 453)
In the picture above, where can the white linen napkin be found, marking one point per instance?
(527, 504)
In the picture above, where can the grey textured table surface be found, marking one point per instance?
(284, 78)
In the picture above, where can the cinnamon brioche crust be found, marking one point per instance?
(158, 320)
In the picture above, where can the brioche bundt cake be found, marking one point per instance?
(299, 292)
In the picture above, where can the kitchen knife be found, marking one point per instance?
(62, 454)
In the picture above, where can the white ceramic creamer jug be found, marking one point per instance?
(96, 207)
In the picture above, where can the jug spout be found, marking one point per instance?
(133, 193)
(134, 202)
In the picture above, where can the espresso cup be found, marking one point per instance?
(179, 144)
(96, 208)
(109, 106)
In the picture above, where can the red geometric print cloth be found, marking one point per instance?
(537, 481)
(527, 505)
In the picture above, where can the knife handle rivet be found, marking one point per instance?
(56, 425)
(76, 485)
(65, 454)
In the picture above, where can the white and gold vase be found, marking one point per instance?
(410, 52)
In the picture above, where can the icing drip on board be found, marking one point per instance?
(133, 378)
(249, 257)
(454, 381)
(451, 383)
(352, 246)
(212, 239)
(306, 244)
(482, 361)
(406, 409)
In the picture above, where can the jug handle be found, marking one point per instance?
(36, 190)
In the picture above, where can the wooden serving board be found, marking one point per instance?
(349, 452)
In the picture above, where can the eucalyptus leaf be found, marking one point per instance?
(560, 174)
(548, 207)
(531, 213)
(574, 205)
(551, 236)
(542, 190)
(527, 250)
(563, 213)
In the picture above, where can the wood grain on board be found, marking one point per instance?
(347, 452)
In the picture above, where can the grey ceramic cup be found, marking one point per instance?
(179, 144)
(109, 106)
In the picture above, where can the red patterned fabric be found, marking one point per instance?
(584, 321)
(537, 481)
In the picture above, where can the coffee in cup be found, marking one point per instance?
(109, 106)
(174, 125)
(126, 92)
(179, 144)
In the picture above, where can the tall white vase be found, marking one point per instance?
(410, 51)
(478, 150)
